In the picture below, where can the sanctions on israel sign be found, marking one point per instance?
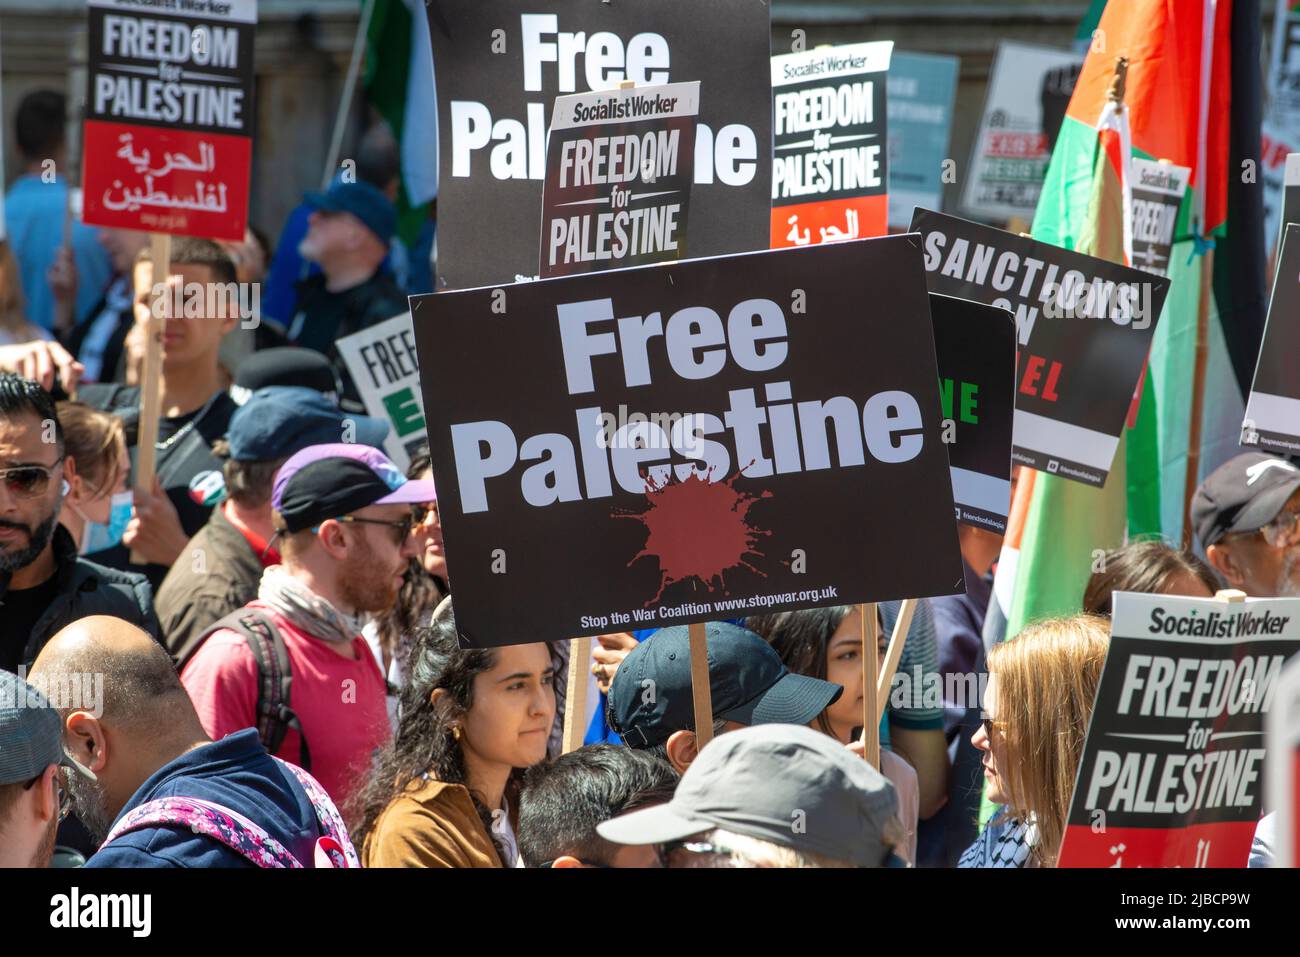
(700, 440)
(169, 116)
(1084, 326)
(1173, 766)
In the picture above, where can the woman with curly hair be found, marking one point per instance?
(444, 793)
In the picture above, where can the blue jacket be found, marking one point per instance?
(235, 772)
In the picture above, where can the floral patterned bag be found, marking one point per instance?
(333, 850)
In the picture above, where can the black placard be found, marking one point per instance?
(1273, 410)
(619, 168)
(500, 64)
(976, 349)
(1084, 326)
(818, 476)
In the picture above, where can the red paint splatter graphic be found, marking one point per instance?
(697, 529)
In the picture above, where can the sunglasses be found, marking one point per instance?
(988, 724)
(29, 481)
(402, 526)
(1282, 530)
(665, 851)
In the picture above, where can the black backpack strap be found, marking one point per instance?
(274, 678)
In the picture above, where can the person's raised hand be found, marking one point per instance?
(608, 655)
(42, 362)
(154, 530)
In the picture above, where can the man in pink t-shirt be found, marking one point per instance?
(344, 515)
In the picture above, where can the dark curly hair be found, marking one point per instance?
(424, 743)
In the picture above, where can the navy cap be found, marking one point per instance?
(280, 421)
(650, 697)
(1243, 494)
(284, 365)
(31, 733)
(367, 203)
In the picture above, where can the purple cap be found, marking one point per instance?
(329, 481)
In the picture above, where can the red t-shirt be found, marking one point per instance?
(340, 702)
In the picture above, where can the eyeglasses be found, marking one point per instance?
(425, 516)
(29, 481)
(402, 525)
(665, 851)
(65, 796)
(988, 724)
(1282, 531)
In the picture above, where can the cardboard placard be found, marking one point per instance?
(499, 67)
(1158, 190)
(922, 90)
(1084, 326)
(830, 174)
(1273, 409)
(699, 439)
(1284, 68)
(1029, 89)
(168, 135)
(1276, 173)
(385, 368)
(1282, 765)
(619, 169)
(1172, 773)
(976, 349)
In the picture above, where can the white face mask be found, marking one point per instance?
(97, 537)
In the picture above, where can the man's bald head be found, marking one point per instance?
(139, 681)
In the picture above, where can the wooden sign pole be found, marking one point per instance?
(870, 715)
(575, 695)
(160, 251)
(893, 654)
(700, 689)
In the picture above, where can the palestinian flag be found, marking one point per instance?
(1183, 58)
(399, 84)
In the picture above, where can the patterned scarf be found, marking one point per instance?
(306, 610)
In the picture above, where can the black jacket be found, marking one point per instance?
(323, 317)
(87, 589)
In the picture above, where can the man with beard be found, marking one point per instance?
(144, 743)
(1247, 516)
(32, 795)
(343, 515)
(44, 585)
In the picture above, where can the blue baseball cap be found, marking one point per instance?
(31, 733)
(748, 681)
(280, 420)
(367, 203)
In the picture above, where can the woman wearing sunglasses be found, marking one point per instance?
(445, 792)
(1037, 706)
(391, 633)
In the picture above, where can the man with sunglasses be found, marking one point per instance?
(44, 584)
(1247, 516)
(343, 515)
(33, 798)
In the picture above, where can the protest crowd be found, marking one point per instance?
(232, 633)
